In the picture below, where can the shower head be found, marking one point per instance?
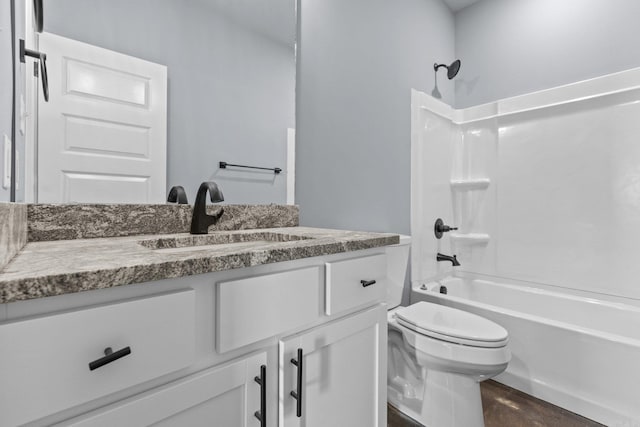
(452, 70)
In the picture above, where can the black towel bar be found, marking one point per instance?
(223, 165)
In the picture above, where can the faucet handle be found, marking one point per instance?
(439, 228)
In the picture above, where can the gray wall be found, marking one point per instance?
(512, 47)
(358, 60)
(231, 81)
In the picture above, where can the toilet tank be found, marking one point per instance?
(397, 270)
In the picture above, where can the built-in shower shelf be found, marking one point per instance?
(470, 184)
(470, 238)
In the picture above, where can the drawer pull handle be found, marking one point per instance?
(366, 283)
(262, 380)
(109, 356)
(297, 394)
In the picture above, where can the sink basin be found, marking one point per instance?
(217, 241)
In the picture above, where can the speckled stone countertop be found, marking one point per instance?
(60, 267)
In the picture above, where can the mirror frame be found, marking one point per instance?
(12, 185)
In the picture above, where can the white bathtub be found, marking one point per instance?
(582, 354)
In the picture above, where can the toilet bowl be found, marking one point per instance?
(438, 355)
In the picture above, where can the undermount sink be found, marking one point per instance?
(217, 240)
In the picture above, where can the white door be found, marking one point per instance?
(102, 136)
(343, 374)
(224, 396)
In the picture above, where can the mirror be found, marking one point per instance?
(230, 97)
(221, 110)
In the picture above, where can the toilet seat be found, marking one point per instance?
(451, 325)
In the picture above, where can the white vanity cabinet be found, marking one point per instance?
(209, 350)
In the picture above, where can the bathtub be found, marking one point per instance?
(577, 352)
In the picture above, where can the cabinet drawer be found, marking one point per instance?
(252, 309)
(45, 360)
(344, 286)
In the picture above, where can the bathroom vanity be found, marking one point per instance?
(254, 331)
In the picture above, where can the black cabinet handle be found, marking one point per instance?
(366, 283)
(24, 52)
(297, 394)
(262, 380)
(109, 356)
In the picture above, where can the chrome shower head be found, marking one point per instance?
(452, 70)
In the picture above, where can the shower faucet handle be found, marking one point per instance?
(440, 228)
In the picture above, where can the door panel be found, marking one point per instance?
(102, 82)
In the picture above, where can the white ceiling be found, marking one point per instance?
(456, 5)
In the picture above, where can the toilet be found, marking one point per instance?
(438, 355)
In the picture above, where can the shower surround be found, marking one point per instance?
(545, 190)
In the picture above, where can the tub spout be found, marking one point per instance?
(452, 259)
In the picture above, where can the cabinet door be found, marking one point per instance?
(343, 373)
(221, 396)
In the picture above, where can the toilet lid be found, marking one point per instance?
(452, 325)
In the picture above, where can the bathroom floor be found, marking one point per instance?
(507, 407)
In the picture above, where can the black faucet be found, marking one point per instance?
(200, 221)
(177, 195)
(452, 259)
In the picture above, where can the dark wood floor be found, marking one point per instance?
(506, 407)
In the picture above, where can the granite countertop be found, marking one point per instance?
(60, 267)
